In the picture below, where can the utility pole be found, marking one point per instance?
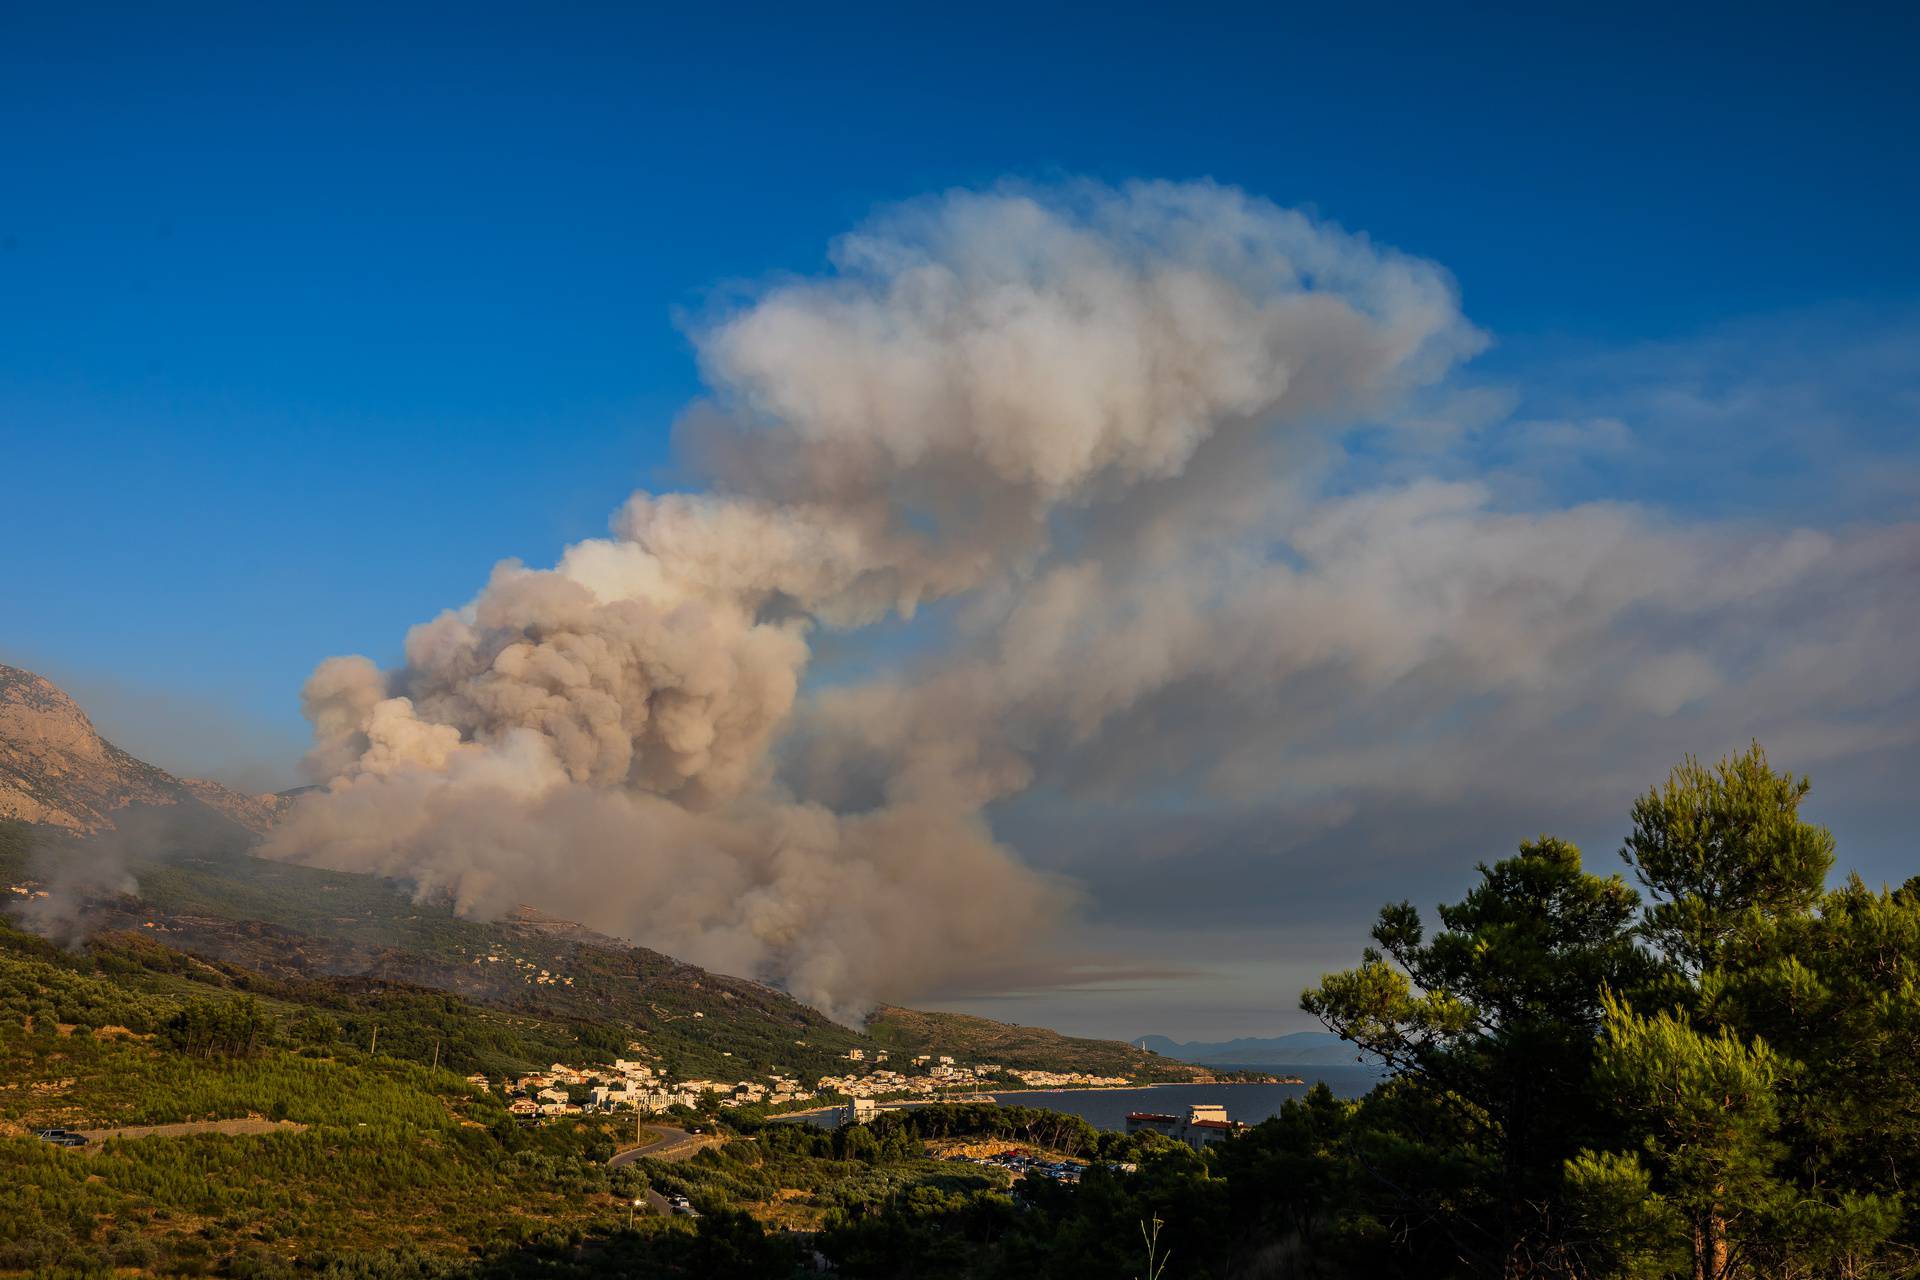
(374, 1043)
(436, 1055)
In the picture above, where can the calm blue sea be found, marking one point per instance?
(1108, 1108)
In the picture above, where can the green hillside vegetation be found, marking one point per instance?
(131, 981)
(386, 1166)
(871, 1198)
(389, 1167)
(391, 1155)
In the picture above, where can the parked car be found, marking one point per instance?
(62, 1137)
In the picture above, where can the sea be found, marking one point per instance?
(1108, 1108)
(1252, 1103)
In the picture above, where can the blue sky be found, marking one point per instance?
(309, 316)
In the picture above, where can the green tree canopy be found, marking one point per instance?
(1722, 850)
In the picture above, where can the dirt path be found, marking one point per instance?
(253, 1125)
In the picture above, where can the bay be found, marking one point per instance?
(1108, 1108)
(1252, 1103)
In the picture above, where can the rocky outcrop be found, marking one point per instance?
(256, 813)
(56, 770)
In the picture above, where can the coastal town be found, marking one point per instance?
(635, 1084)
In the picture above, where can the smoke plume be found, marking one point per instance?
(76, 873)
(1045, 401)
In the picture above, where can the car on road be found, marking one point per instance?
(62, 1137)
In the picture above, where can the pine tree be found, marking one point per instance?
(1721, 850)
(1711, 1118)
(1493, 1022)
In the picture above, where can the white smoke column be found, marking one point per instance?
(595, 738)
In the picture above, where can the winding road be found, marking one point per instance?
(672, 1144)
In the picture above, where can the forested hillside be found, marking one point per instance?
(371, 1164)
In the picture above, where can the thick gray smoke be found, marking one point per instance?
(1034, 398)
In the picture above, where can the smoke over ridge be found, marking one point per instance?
(1038, 399)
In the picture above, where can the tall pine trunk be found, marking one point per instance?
(1710, 1248)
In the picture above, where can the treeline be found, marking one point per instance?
(1033, 1126)
(879, 1207)
(234, 1028)
(1718, 1080)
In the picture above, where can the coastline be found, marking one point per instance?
(1158, 1084)
(1010, 1095)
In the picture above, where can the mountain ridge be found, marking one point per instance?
(56, 769)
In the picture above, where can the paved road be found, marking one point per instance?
(672, 1144)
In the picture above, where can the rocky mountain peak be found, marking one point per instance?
(56, 769)
(36, 714)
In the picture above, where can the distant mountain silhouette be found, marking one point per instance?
(1300, 1049)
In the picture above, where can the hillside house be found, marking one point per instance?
(1205, 1124)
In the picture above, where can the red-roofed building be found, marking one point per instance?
(1206, 1124)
